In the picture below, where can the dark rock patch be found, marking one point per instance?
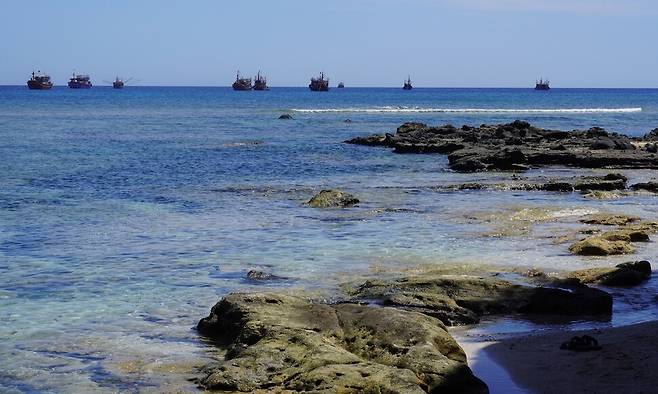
(333, 199)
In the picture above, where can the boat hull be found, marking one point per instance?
(35, 85)
(75, 85)
(542, 87)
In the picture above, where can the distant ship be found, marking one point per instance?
(39, 81)
(341, 85)
(319, 84)
(543, 84)
(118, 83)
(407, 84)
(79, 81)
(242, 83)
(260, 82)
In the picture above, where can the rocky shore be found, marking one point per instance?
(518, 146)
(386, 335)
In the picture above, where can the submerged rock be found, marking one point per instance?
(333, 199)
(283, 343)
(518, 146)
(262, 275)
(625, 274)
(464, 299)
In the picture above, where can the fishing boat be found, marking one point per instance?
(79, 81)
(543, 84)
(242, 83)
(39, 81)
(320, 84)
(260, 82)
(407, 84)
(118, 83)
(341, 85)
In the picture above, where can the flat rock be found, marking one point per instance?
(625, 274)
(279, 343)
(518, 146)
(610, 219)
(333, 199)
(463, 299)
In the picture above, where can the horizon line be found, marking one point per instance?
(354, 86)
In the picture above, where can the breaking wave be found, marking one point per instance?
(471, 110)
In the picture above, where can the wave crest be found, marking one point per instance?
(470, 110)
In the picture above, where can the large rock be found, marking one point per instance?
(333, 199)
(518, 146)
(464, 299)
(284, 343)
(599, 246)
(626, 274)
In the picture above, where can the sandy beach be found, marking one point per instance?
(624, 365)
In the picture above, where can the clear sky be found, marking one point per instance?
(457, 43)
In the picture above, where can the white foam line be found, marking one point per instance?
(471, 110)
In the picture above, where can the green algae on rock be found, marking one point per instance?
(333, 199)
(463, 299)
(625, 274)
(287, 343)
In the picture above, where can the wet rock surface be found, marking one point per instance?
(463, 299)
(287, 343)
(333, 199)
(625, 274)
(614, 242)
(518, 146)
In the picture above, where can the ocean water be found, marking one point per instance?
(126, 214)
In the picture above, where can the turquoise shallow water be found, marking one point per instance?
(124, 215)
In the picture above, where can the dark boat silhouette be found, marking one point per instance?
(39, 81)
(118, 83)
(341, 85)
(242, 83)
(80, 81)
(543, 84)
(260, 82)
(319, 84)
(407, 84)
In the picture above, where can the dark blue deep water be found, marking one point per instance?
(125, 214)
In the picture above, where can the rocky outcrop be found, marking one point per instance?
(281, 343)
(256, 275)
(626, 274)
(617, 241)
(599, 246)
(609, 219)
(286, 117)
(333, 199)
(650, 186)
(464, 299)
(517, 146)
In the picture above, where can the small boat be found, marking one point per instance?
(242, 83)
(39, 81)
(407, 84)
(260, 82)
(80, 81)
(118, 83)
(320, 84)
(341, 85)
(543, 84)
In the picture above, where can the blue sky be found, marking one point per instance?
(509, 43)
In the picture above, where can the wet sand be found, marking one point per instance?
(626, 364)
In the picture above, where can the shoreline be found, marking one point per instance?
(621, 366)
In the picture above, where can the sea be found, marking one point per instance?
(126, 214)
